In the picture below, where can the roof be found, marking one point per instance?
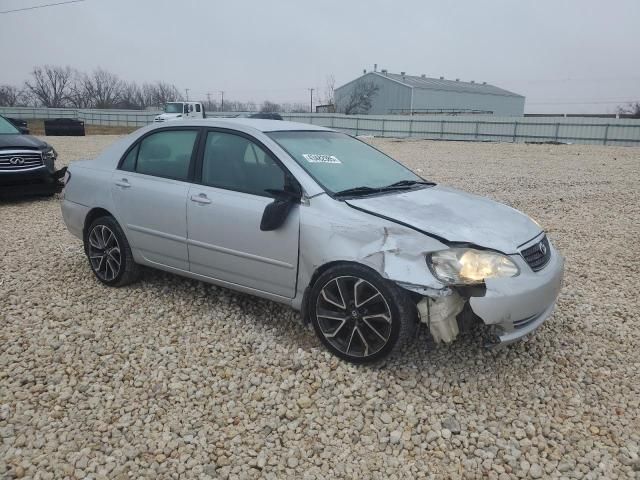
(259, 124)
(427, 83)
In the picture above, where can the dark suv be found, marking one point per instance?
(27, 164)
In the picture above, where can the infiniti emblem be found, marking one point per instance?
(543, 248)
(16, 161)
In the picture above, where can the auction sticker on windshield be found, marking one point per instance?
(320, 158)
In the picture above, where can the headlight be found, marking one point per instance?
(50, 154)
(467, 266)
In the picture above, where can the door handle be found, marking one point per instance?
(124, 183)
(200, 198)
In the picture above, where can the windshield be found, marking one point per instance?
(173, 108)
(339, 162)
(7, 127)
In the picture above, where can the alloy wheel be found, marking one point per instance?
(104, 253)
(353, 316)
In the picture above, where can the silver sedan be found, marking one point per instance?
(318, 220)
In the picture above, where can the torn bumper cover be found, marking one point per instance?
(515, 307)
(38, 182)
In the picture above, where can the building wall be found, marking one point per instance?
(395, 96)
(391, 95)
(498, 104)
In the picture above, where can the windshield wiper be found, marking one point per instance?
(407, 183)
(364, 190)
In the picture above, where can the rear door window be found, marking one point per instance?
(165, 154)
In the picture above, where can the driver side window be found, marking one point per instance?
(234, 162)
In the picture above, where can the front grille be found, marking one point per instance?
(17, 160)
(537, 255)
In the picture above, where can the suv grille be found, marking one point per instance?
(16, 160)
(537, 255)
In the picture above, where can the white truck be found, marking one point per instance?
(181, 111)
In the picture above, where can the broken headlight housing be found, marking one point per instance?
(50, 154)
(469, 266)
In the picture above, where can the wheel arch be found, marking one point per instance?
(92, 215)
(304, 310)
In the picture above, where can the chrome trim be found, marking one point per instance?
(21, 170)
(29, 152)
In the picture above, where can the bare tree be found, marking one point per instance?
(78, 97)
(12, 96)
(299, 108)
(270, 107)
(158, 93)
(51, 85)
(131, 97)
(360, 99)
(102, 88)
(632, 109)
(330, 90)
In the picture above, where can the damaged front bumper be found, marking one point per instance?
(515, 307)
(38, 182)
(509, 308)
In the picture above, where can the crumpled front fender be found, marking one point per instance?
(331, 231)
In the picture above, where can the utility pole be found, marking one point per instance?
(222, 101)
(311, 99)
(187, 92)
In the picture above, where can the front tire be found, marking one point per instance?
(359, 316)
(109, 253)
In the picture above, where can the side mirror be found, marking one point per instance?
(24, 130)
(276, 212)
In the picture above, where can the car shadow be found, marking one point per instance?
(17, 200)
(465, 357)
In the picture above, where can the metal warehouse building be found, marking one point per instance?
(407, 94)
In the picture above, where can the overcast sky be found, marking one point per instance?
(563, 55)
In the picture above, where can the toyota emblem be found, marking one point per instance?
(16, 161)
(543, 248)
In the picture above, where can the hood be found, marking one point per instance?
(455, 216)
(168, 116)
(21, 141)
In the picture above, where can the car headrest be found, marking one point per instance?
(156, 151)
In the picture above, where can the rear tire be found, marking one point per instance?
(109, 253)
(359, 316)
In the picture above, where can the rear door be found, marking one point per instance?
(150, 193)
(224, 212)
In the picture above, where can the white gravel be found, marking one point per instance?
(172, 378)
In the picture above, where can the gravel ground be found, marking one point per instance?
(172, 378)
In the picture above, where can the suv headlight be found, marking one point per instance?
(50, 154)
(468, 266)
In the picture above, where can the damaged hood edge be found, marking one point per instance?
(452, 216)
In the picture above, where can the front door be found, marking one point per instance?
(150, 194)
(224, 212)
